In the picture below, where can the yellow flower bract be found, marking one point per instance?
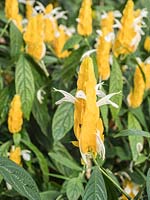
(104, 47)
(15, 116)
(86, 116)
(135, 97)
(15, 155)
(85, 18)
(147, 44)
(126, 33)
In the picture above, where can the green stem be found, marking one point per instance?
(117, 186)
(57, 176)
(4, 29)
(87, 42)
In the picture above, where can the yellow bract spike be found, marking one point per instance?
(86, 115)
(15, 155)
(50, 25)
(135, 97)
(104, 46)
(147, 44)
(58, 43)
(126, 33)
(12, 12)
(85, 18)
(11, 9)
(15, 116)
(34, 37)
(29, 10)
(147, 75)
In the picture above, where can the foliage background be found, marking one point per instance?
(47, 132)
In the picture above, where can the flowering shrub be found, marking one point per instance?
(74, 100)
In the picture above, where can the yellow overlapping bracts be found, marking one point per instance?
(135, 97)
(59, 41)
(15, 116)
(86, 116)
(126, 33)
(147, 44)
(85, 18)
(104, 46)
(12, 13)
(50, 25)
(15, 155)
(34, 37)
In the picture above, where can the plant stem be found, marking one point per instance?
(57, 176)
(117, 186)
(4, 29)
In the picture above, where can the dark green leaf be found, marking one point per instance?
(95, 189)
(62, 120)
(132, 132)
(41, 159)
(148, 184)
(16, 40)
(74, 188)
(24, 82)
(134, 140)
(19, 179)
(116, 85)
(71, 42)
(49, 195)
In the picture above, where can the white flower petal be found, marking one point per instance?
(100, 148)
(105, 100)
(40, 95)
(117, 13)
(81, 95)
(26, 154)
(87, 53)
(67, 97)
(147, 61)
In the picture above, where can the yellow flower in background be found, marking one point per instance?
(29, 9)
(130, 30)
(147, 43)
(126, 31)
(135, 97)
(88, 126)
(11, 9)
(15, 155)
(104, 45)
(34, 37)
(15, 116)
(130, 188)
(84, 26)
(147, 73)
(50, 25)
(12, 12)
(58, 43)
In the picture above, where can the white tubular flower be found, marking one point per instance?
(87, 54)
(117, 13)
(67, 97)
(100, 146)
(147, 61)
(104, 15)
(99, 92)
(110, 37)
(40, 95)
(9, 187)
(117, 24)
(26, 154)
(81, 95)
(106, 100)
(99, 32)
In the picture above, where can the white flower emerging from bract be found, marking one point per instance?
(87, 53)
(105, 99)
(40, 95)
(26, 154)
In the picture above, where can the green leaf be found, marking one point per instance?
(24, 82)
(62, 120)
(16, 40)
(4, 102)
(148, 184)
(19, 179)
(51, 195)
(116, 85)
(134, 140)
(104, 114)
(132, 132)
(71, 42)
(41, 159)
(74, 189)
(4, 149)
(95, 189)
(64, 161)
